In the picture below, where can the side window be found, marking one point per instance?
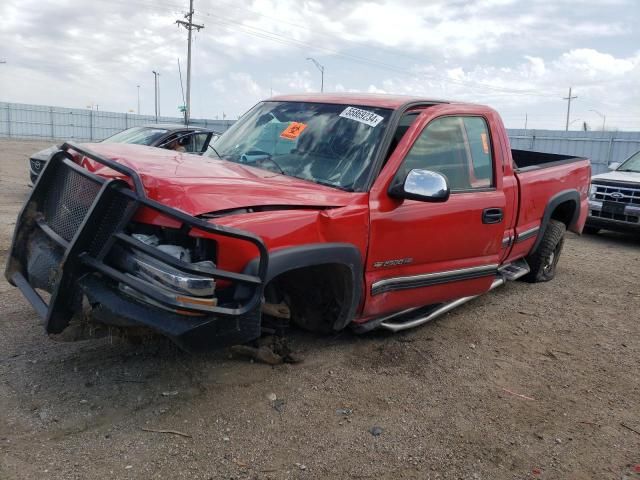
(174, 142)
(403, 125)
(480, 146)
(197, 142)
(447, 147)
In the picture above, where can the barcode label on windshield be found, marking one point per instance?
(362, 116)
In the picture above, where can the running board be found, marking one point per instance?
(417, 316)
(515, 270)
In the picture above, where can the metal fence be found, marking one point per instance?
(601, 147)
(40, 121)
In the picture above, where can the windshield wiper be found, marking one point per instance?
(269, 159)
(215, 151)
(329, 184)
(628, 170)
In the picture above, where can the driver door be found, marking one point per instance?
(423, 252)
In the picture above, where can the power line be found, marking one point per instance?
(261, 33)
(275, 37)
(182, 90)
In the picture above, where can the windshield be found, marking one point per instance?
(632, 164)
(328, 144)
(137, 135)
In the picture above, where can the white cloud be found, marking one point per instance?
(536, 66)
(374, 89)
(591, 63)
(296, 82)
(73, 53)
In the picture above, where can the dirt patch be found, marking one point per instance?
(529, 381)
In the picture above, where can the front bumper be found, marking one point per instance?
(625, 217)
(70, 224)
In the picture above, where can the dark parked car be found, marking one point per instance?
(173, 137)
(614, 198)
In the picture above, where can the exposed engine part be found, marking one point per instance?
(177, 251)
(148, 239)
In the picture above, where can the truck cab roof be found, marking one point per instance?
(368, 99)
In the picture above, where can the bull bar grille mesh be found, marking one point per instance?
(68, 200)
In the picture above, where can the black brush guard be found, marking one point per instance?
(68, 226)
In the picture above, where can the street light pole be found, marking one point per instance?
(155, 92)
(138, 99)
(321, 68)
(602, 115)
(569, 98)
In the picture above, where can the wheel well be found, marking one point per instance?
(319, 296)
(564, 212)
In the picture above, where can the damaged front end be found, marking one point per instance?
(77, 239)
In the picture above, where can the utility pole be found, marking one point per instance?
(526, 119)
(155, 93)
(321, 68)
(602, 115)
(569, 98)
(189, 26)
(138, 99)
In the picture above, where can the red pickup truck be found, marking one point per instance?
(331, 210)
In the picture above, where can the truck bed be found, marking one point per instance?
(551, 176)
(525, 160)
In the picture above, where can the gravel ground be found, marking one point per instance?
(529, 381)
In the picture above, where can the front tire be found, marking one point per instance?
(544, 260)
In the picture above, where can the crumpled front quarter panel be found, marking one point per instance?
(293, 228)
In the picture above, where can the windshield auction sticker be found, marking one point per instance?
(293, 131)
(362, 116)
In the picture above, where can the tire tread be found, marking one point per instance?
(553, 236)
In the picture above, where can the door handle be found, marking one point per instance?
(492, 215)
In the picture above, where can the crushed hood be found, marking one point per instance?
(615, 176)
(199, 185)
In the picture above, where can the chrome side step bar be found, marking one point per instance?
(509, 272)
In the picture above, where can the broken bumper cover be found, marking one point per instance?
(70, 224)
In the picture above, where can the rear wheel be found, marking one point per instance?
(590, 230)
(544, 260)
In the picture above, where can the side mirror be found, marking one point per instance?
(614, 165)
(422, 185)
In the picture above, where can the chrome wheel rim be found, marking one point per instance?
(549, 265)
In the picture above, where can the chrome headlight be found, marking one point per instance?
(592, 191)
(153, 271)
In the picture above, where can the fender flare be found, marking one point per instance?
(313, 254)
(570, 195)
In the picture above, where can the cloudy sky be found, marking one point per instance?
(520, 57)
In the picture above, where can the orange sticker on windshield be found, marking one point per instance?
(293, 131)
(485, 143)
